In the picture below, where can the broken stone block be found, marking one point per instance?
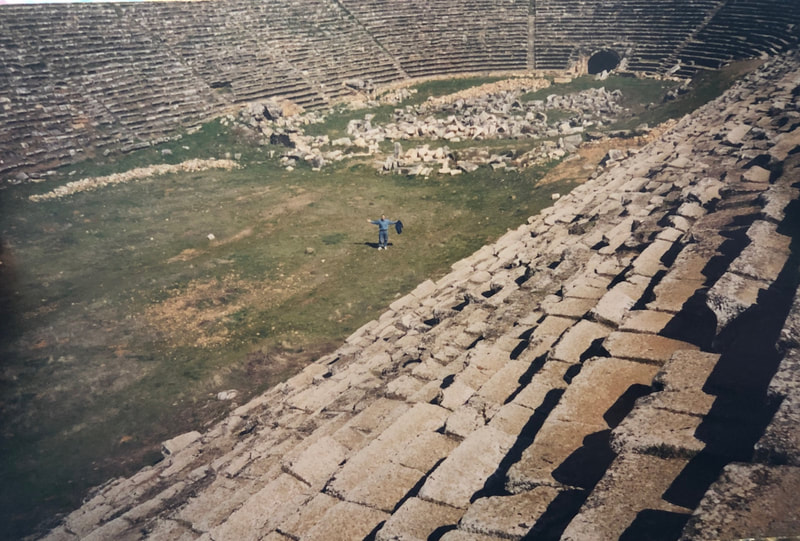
(748, 501)
(509, 517)
(264, 510)
(418, 519)
(578, 340)
(648, 348)
(385, 487)
(633, 483)
(346, 521)
(297, 524)
(318, 462)
(466, 469)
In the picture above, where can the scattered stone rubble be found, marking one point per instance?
(139, 173)
(609, 369)
(468, 115)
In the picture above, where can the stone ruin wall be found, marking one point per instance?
(625, 363)
(80, 81)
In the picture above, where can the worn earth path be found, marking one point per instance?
(627, 362)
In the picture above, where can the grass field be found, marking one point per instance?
(130, 307)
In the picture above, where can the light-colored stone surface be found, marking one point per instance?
(649, 348)
(509, 517)
(748, 501)
(600, 384)
(608, 511)
(465, 470)
(346, 521)
(418, 520)
(577, 340)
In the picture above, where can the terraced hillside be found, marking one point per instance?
(622, 366)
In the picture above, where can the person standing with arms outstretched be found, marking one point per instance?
(383, 230)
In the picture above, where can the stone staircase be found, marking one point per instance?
(623, 366)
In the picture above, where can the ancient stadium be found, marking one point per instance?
(620, 362)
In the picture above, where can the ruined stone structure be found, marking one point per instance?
(82, 80)
(623, 366)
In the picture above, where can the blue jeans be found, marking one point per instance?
(383, 238)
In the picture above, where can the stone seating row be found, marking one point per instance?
(515, 396)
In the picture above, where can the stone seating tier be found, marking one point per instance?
(607, 370)
(209, 56)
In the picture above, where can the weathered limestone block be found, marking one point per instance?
(466, 469)
(569, 307)
(84, 520)
(153, 505)
(298, 523)
(645, 321)
(119, 528)
(404, 387)
(511, 419)
(179, 443)
(599, 385)
(686, 371)
(632, 483)
(615, 237)
(656, 426)
(509, 517)
(776, 199)
(264, 510)
(425, 451)
(464, 421)
(780, 443)
(731, 295)
(785, 144)
(456, 395)
(616, 303)
(503, 383)
(318, 462)
(577, 340)
(748, 501)
(757, 174)
(385, 487)
(417, 520)
(647, 348)
(346, 521)
(391, 442)
(764, 258)
(548, 379)
(648, 263)
(554, 443)
(736, 133)
(212, 506)
(544, 336)
(171, 530)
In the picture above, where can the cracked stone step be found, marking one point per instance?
(420, 419)
(264, 510)
(346, 521)
(646, 348)
(593, 402)
(508, 517)
(633, 484)
(748, 500)
(577, 341)
(418, 519)
(467, 468)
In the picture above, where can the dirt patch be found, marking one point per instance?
(580, 165)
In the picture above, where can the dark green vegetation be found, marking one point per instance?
(122, 319)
